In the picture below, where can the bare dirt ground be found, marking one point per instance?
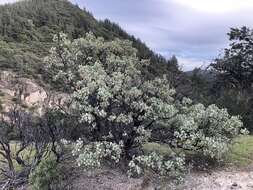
(221, 180)
(230, 179)
(113, 180)
(108, 180)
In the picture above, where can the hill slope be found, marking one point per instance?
(27, 28)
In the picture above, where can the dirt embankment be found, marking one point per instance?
(28, 91)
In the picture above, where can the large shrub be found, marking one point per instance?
(119, 110)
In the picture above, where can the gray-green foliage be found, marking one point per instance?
(91, 155)
(117, 106)
(204, 130)
(172, 166)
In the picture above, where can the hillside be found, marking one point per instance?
(27, 29)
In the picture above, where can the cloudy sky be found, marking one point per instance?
(193, 30)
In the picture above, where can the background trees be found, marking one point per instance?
(236, 66)
(228, 82)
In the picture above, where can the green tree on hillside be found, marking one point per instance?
(234, 84)
(236, 66)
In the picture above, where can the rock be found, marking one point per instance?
(250, 185)
(235, 186)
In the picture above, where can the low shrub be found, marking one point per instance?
(46, 176)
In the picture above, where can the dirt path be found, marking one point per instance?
(221, 180)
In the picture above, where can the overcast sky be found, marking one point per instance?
(193, 30)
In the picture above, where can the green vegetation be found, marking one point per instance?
(46, 176)
(241, 152)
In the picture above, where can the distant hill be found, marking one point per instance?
(27, 28)
(207, 75)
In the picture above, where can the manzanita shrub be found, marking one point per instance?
(119, 109)
(157, 163)
(93, 154)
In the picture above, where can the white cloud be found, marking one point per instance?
(7, 1)
(188, 64)
(193, 30)
(216, 6)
